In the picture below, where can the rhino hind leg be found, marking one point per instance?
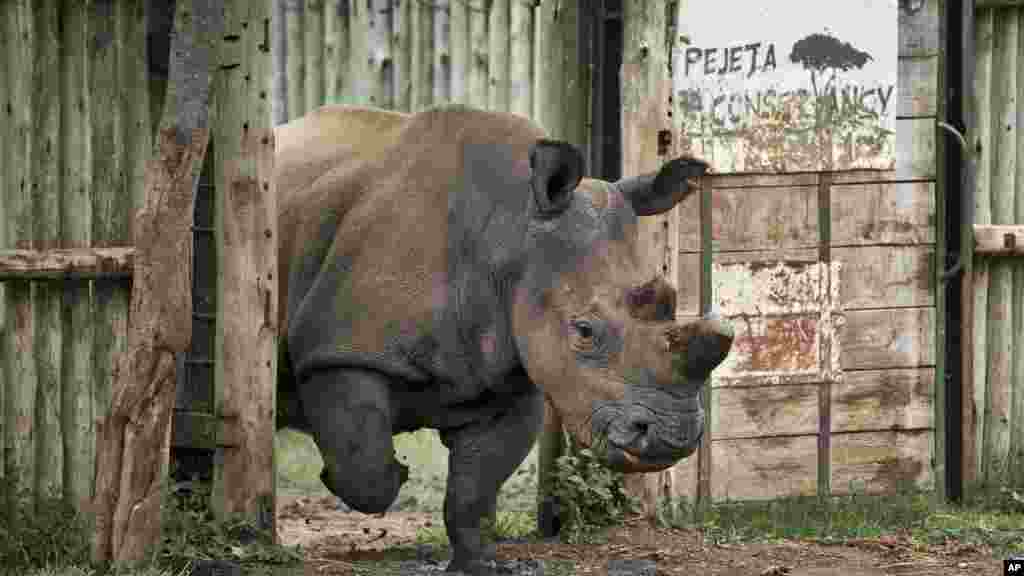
(481, 457)
(350, 416)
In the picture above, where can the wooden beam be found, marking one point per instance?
(133, 437)
(67, 263)
(997, 3)
(999, 240)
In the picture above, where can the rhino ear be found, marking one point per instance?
(556, 169)
(657, 192)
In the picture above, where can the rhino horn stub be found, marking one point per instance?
(652, 301)
(556, 168)
(657, 192)
(699, 347)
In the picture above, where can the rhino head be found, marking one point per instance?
(595, 333)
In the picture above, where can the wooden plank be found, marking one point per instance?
(1002, 99)
(888, 338)
(918, 86)
(915, 139)
(498, 55)
(295, 57)
(478, 64)
(77, 410)
(336, 50)
(883, 213)
(313, 48)
(999, 240)
(80, 263)
(520, 58)
(919, 28)
(245, 353)
(460, 50)
(6, 137)
(881, 462)
(764, 411)
(768, 287)
(380, 57)
(46, 91)
(773, 346)
(883, 399)
(576, 107)
(361, 69)
(764, 468)
(549, 62)
(279, 47)
(138, 138)
(111, 198)
(21, 379)
(422, 56)
(133, 435)
(401, 50)
(442, 57)
(768, 218)
(997, 3)
(886, 276)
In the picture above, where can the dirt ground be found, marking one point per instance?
(332, 539)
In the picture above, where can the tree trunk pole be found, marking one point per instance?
(133, 438)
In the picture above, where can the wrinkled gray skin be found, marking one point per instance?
(452, 270)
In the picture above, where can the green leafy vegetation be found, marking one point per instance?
(39, 534)
(591, 496)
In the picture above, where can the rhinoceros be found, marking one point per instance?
(452, 269)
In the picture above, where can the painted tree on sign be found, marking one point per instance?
(823, 53)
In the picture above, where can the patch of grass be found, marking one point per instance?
(997, 524)
(40, 533)
(192, 533)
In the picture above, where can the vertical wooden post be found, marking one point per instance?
(645, 91)
(441, 52)
(47, 189)
(21, 377)
(380, 58)
(478, 61)
(279, 49)
(460, 50)
(246, 216)
(401, 49)
(296, 57)
(313, 34)
(336, 51)
(133, 437)
(5, 139)
(422, 55)
(77, 410)
(520, 58)
(498, 25)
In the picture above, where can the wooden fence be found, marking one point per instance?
(78, 83)
(74, 138)
(993, 377)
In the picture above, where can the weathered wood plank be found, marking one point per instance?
(77, 410)
(997, 3)
(764, 468)
(999, 240)
(6, 137)
(770, 346)
(886, 276)
(768, 287)
(688, 282)
(135, 92)
(764, 411)
(246, 223)
(883, 399)
(883, 213)
(21, 379)
(401, 51)
(881, 462)
(775, 217)
(888, 338)
(520, 58)
(498, 55)
(422, 35)
(295, 57)
(46, 91)
(478, 64)
(380, 58)
(915, 139)
(133, 435)
(918, 86)
(461, 52)
(442, 56)
(1002, 99)
(549, 61)
(919, 28)
(67, 263)
(360, 74)
(313, 47)
(336, 50)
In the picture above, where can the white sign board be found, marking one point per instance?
(787, 85)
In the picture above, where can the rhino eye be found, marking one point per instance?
(584, 329)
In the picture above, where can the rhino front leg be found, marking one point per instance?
(350, 414)
(481, 457)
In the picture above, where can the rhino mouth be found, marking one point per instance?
(625, 459)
